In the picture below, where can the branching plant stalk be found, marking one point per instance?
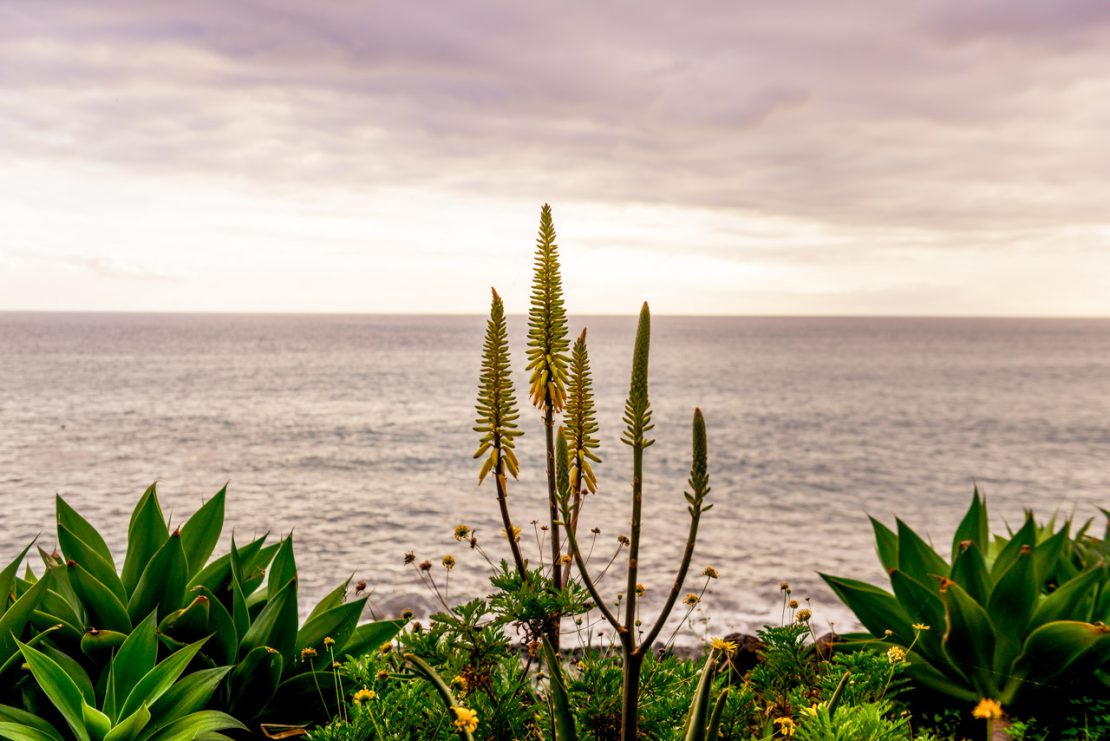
(637, 417)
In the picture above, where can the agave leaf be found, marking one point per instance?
(201, 532)
(1011, 605)
(275, 626)
(334, 598)
(198, 725)
(930, 676)
(24, 732)
(77, 550)
(104, 608)
(337, 623)
(218, 574)
(1025, 536)
(73, 669)
(1067, 602)
(254, 681)
(223, 647)
(80, 527)
(370, 636)
(190, 622)
(130, 726)
(922, 605)
(16, 660)
(969, 570)
(877, 609)
(188, 695)
(1053, 649)
(562, 714)
(1049, 554)
(283, 568)
(7, 579)
(697, 715)
(974, 527)
(59, 688)
(136, 657)
(159, 679)
(96, 723)
(917, 558)
(20, 717)
(970, 639)
(886, 544)
(96, 643)
(304, 698)
(146, 534)
(16, 616)
(162, 584)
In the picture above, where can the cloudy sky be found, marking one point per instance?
(715, 157)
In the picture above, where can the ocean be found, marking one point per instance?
(354, 433)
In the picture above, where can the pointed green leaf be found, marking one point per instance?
(7, 578)
(201, 532)
(1011, 605)
(969, 570)
(337, 623)
(1055, 649)
(917, 558)
(103, 606)
(254, 681)
(22, 732)
(18, 716)
(159, 679)
(1069, 601)
(146, 534)
(334, 598)
(877, 609)
(886, 545)
(162, 584)
(188, 695)
(134, 661)
(77, 550)
(80, 527)
(58, 687)
(128, 728)
(283, 568)
(198, 726)
(1026, 536)
(73, 669)
(970, 639)
(96, 723)
(370, 636)
(276, 625)
(16, 616)
(973, 528)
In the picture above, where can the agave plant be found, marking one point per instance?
(142, 699)
(240, 610)
(1006, 618)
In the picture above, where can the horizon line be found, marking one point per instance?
(213, 312)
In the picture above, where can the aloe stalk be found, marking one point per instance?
(638, 419)
(547, 361)
(581, 428)
(497, 415)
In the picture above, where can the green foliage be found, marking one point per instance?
(1025, 612)
(141, 699)
(871, 721)
(235, 619)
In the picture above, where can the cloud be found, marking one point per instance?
(924, 125)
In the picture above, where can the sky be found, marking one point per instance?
(798, 158)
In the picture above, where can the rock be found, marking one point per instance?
(825, 645)
(749, 652)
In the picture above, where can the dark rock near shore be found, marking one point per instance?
(825, 645)
(749, 652)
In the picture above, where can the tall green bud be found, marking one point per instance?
(637, 409)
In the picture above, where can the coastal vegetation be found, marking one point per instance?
(1002, 636)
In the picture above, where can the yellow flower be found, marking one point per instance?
(581, 666)
(920, 626)
(888, 632)
(565, 559)
(987, 709)
(307, 653)
(385, 648)
(462, 532)
(720, 644)
(448, 562)
(710, 572)
(328, 641)
(896, 654)
(803, 615)
(383, 674)
(786, 726)
(460, 680)
(793, 604)
(465, 718)
(364, 694)
(691, 599)
(516, 534)
(640, 589)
